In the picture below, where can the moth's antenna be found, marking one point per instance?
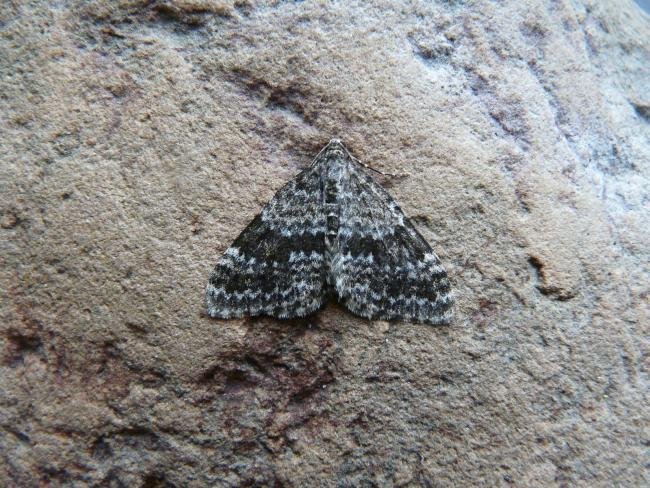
(320, 152)
(392, 175)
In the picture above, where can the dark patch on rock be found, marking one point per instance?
(10, 218)
(101, 449)
(291, 97)
(552, 291)
(156, 480)
(21, 344)
(642, 110)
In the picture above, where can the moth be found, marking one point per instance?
(331, 233)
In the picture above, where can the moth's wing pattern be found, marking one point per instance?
(276, 265)
(384, 268)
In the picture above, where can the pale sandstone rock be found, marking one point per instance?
(138, 138)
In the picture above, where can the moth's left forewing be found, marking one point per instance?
(276, 265)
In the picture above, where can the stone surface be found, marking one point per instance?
(139, 137)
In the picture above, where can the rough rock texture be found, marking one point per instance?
(139, 137)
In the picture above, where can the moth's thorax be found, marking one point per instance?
(336, 167)
(334, 176)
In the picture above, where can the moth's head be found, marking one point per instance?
(336, 148)
(333, 151)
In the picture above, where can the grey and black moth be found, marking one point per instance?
(331, 232)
